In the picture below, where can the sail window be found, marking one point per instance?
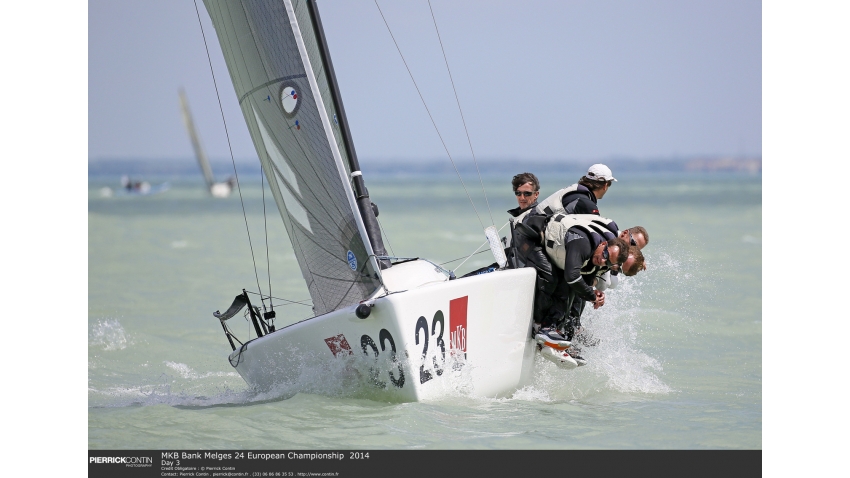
(289, 100)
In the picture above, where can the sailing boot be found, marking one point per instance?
(574, 351)
(549, 337)
(559, 357)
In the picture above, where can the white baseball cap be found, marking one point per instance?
(600, 172)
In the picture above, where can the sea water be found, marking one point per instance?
(678, 366)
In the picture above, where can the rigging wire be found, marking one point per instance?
(429, 114)
(386, 236)
(221, 109)
(459, 258)
(302, 302)
(468, 140)
(475, 252)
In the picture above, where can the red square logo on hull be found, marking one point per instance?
(338, 345)
(457, 323)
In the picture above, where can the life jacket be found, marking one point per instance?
(527, 239)
(521, 216)
(556, 230)
(554, 204)
(526, 250)
(514, 220)
(510, 241)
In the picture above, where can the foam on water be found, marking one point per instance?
(108, 335)
(620, 363)
(165, 394)
(186, 371)
(343, 377)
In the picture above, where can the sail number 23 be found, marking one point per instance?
(423, 335)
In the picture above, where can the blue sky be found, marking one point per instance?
(538, 80)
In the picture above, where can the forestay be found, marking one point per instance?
(273, 55)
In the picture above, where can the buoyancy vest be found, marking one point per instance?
(527, 239)
(556, 230)
(554, 204)
(509, 241)
(521, 216)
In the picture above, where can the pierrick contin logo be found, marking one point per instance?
(125, 460)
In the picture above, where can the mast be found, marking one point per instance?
(361, 194)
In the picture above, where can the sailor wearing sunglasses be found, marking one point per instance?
(571, 249)
(526, 189)
(637, 238)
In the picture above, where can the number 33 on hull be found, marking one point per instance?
(432, 338)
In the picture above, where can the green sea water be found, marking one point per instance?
(679, 365)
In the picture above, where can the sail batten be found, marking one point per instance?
(280, 81)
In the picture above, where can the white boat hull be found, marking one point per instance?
(483, 324)
(220, 190)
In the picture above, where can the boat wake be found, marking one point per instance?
(622, 364)
(180, 385)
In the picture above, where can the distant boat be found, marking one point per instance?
(216, 189)
(134, 188)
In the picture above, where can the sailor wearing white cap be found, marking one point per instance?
(581, 197)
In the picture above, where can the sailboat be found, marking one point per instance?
(401, 329)
(131, 187)
(216, 189)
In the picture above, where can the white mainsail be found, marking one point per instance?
(281, 79)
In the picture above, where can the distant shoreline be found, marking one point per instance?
(188, 167)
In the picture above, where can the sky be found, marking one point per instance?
(540, 80)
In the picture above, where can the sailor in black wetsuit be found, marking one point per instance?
(577, 252)
(606, 277)
(525, 248)
(526, 189)
(581, 197)
(593, 274)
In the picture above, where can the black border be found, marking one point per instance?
(426, 463)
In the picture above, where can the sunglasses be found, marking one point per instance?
(524, 193)
(631, 239)
(606, 256)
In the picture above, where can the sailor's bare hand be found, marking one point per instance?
(600, 299)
